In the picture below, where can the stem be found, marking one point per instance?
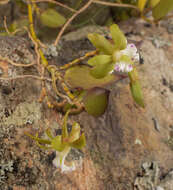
(57, 3)
(55, 74)
(116, 4)
(70, 20)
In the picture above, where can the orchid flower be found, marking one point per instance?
(117, 56)
(62, 144)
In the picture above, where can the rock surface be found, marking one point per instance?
(118, 143)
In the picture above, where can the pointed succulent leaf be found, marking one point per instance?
(51, 18)
(133, 75)
(57, 144)
(101, 43)
(75, 132)
(96, 101)
(101, 65)
(141, 4)
(136, 88)
(153, 3)
(80, 77)
(118, 37)
(137, 93)
(39, 140)
(80, 143)
(162, 8)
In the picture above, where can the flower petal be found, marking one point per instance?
(118, 37)
(101, 43)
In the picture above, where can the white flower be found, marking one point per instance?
(131, 51)
(123, 67)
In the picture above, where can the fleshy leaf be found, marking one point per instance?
(118, 37)
(141, 4)
(162, 8)
(101, 43)
(101, 65)
(80, 77)
(133, 75)
(96, 101)
(52, 18)
(137, 93)
(75, 132)
(135, 88)
(80, 143)
(57, 144)
(153, 3)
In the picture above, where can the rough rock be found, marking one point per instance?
(118, 142)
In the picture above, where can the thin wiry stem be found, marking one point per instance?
(16, 64)
(71, 19)
(57, 3)
(115, 4)
(5, 25)
(27, 76)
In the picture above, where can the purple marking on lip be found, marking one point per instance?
(117, 68)
(132, 45)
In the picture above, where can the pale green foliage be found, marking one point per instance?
(105, 65)
(96, 101)
(162, 9)
(153, 3)
(100, 71)
(100, 62)
(141, 4)
(52, 18)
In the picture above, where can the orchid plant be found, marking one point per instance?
(115, 59)
(63, 143)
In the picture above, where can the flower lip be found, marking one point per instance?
(123, 67)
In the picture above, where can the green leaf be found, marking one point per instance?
(96, 101)
(101, 43)
(80, 77)
(153, 3)
(80, 143)
(118, 37)
(57, 144)
(13, 26)
(162, 8)
(136, 88)
(101, 65)
(52, 18)
(141, 4)
(137, 93)
(75, 132)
